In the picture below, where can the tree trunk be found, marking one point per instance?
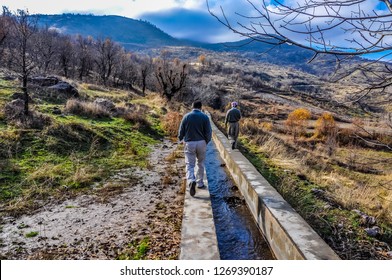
(25, 94)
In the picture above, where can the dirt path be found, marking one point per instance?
(133, 207)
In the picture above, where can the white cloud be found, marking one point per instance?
(128, 8)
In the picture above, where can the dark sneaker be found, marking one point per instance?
(192, 189)
(201, 187)
(233, 146)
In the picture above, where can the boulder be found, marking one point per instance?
(65, 88)
(105, 103)
(44, 81)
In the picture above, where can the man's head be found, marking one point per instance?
(234, 104)
(196, 105)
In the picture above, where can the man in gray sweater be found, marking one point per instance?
(195, 130)
(233, 117)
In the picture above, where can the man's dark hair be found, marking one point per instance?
(196, 105)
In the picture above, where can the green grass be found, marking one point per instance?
(31, 234)
(7, 88)
(53, 157)
(136, 251)
(71, 154)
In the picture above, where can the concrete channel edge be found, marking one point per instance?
(198, 234)
(287, 233)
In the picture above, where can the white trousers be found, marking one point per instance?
(195, 153)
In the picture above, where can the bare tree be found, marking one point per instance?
(4, 25)
(343, 28)
(84, 57)
(171, 75)
(125, 70)
(5, 28)
(66, 54)
(25, 27)
(45, 45)
(145, 70)
(107, 54)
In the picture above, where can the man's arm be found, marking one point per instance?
(208, 130)
(181, 130)
(227, 118)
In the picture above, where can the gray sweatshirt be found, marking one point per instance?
(195, 126)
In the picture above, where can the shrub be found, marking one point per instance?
(296, 122)
(86, 109)
(325, 126)
(171, 123)
(137, 118)
(326, 130)
(249, 127)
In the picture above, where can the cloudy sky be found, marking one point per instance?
(187, 19)
(180, 18)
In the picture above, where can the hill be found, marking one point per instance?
(133, 34)
(141, 35)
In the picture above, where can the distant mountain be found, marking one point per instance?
(133, 34)
(141, 35)
(282, 55)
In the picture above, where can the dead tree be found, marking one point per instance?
(4, 25)
(171, 76)
(145, 71)
(45, 49)
(24, 28)
(65, 55)
(84, 56)
(5, 28)
(107, 54)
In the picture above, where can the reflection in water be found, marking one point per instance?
(238, 235)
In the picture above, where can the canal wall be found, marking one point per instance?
(287, 233)
(198, 234)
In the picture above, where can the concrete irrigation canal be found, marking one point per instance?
(241, 216)
(238, 235)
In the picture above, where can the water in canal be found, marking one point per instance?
(238, 236)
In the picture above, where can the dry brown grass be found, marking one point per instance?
(9, 140)
(351, 189)
(137, 115)
(13, 113)
(86, 109)
(171, 122)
